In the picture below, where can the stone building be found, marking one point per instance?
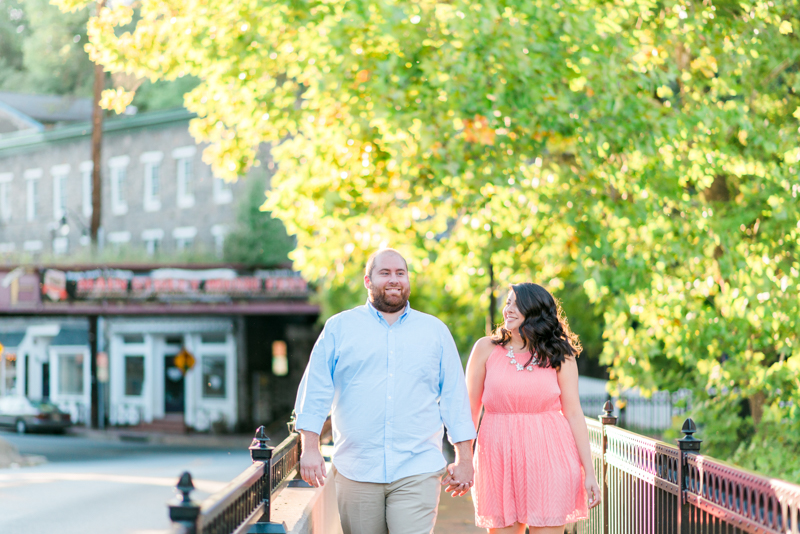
(114, 339)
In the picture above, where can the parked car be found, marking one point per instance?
(25, 415)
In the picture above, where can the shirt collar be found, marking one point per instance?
(379, 316)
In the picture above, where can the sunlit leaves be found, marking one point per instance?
(647, 149)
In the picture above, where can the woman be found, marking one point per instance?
(533, 464)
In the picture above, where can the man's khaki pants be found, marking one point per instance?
(406, 506)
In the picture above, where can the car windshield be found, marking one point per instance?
(44, 406)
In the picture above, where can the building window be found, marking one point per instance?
(152, 180)
(134, 375)
(70, 374)
(213, 337)
(280, 359)
(119, 177)
(222, 191)
(32, 177)
(184, 158)
(184, 237)
(152, 241)
(86, 187)
(60, 245)
(118, 239)
(218, 231)
(5, 195)
(59, 173)
(214, 377)
(33, 245)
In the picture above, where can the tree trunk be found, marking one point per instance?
(97, 143)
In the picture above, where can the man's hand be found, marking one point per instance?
(459, 478)
(460, 474)
(312, 465)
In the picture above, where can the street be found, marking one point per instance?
(99, 486)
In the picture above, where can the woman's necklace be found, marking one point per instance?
(520, 367)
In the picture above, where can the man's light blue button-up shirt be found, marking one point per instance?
(390, 388)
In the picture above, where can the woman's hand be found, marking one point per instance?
(592, 491)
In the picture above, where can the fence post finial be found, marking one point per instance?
(688, 442)
(259, 450)
(607, 417)
(292, 423)
(184, 509)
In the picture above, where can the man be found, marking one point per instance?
(392, 375)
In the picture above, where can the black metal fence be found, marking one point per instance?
(652, 487)
(243, 506)
(648, 486)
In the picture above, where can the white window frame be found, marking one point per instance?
(222, 191)
(32, 177)
(118, 238)
(33, 245)
(151, 162)
(183, 156)
(86, 168)
(219, 231)
(6, 178)
(60, 173)
(184, 237)
(119, 175)
(60, 245)
(150, 237)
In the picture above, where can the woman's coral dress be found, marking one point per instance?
(527, 468)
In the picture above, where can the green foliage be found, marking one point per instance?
(41, 49)
(258, 239)
(151, 96)
(646, 149)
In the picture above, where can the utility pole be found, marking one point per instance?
(94, 227)
(490, 318)
(97, 145)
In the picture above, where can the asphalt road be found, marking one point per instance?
(94, 486)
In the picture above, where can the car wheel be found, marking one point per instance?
(21, 427)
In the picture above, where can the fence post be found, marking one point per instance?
(261, 452)
(185, 511)
(606, 419)
(688, 444)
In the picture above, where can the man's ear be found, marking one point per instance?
(366, 281)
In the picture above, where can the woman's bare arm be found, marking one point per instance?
(476, 374)
(571, 408)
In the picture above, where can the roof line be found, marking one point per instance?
(84, 129)
(21, 116)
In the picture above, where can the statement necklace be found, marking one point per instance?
(520, 367)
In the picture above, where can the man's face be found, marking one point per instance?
(388, 283)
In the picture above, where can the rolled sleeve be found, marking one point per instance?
(454, 400)
(315, 393)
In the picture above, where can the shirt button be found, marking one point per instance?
(390, 374)
(390, 397)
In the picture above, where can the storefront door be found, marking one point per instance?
(46, 380)
(174, 386)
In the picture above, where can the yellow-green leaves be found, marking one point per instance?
(116, 99)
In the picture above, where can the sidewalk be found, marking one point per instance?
(276, 433)
(456, 515)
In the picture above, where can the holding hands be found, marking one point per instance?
(459, 478)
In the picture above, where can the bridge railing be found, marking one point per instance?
(243, 505)
(652, 487)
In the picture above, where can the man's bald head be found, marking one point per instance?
(377, 254)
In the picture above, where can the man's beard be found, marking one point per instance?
(391, 304)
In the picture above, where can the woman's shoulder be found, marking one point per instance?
(483, 348)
